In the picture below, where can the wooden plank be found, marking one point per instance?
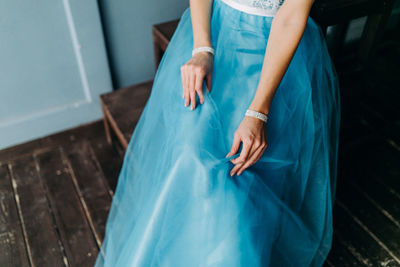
(340, 256)
(109, 159)
(43, 240)
(378, 195)
(63, 138)
(358, 240)
(124, 107)
(41, 233)
(381, 226)
(76, 236)
(365, 192)
(93, 188)
(12, 244)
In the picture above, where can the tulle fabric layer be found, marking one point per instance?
(175, 203)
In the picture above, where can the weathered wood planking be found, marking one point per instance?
(358, 241)
(377, 223)
(93, 188)
(109, 159)
(12, 244)
(372, 194)
(340, 256)
(122, 109)
(75, 232)
(384, 198)
(41, 233)
(381, 197)
(64, 138)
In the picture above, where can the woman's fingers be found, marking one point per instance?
(252, 133)
(193, 75)
(252, 159)
(192, 91)
(235, 145)
(199, 84)
(247, 144)
(208, 79)
(183, 77)
(239, 164)
(256, 149)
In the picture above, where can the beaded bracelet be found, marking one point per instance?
(256, 114)
(203, 49)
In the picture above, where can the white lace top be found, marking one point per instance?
(258, 7)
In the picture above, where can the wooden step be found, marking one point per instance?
(122, 110)
(162, 34)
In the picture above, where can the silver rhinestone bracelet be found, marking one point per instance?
(203, 49)
(256, 114)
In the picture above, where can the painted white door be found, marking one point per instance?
(53, 67)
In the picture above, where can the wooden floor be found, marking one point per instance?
(55, 192)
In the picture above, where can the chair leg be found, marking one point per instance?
(339, 33)
(373, 32)
(106, 125)
(158, 53)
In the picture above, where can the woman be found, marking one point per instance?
(199, 186)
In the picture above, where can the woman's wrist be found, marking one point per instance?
(258, 115)
(203, 49)
(261, 101)
(202, 43)
(260, 107)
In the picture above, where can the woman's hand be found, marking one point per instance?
(251, 132)
(193, 73)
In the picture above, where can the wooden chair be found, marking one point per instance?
(341, 12)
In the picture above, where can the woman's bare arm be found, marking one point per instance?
(200, 11)
(200, 65)
(287, 28)
(286, 31)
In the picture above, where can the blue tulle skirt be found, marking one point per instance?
(176, 204)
